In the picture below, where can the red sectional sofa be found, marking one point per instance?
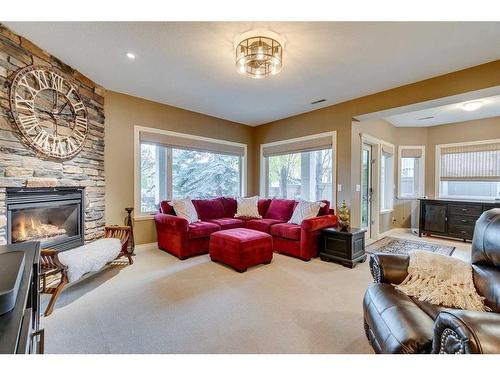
(184, 240)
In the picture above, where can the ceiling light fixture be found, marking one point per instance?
(259, 54)
(130, 55)
(472, 106)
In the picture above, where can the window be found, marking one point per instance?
(299, 169)
(204, 174)
(305, 175)
(411, 172)
(386, 179)
(153, 182)
(469, 170)
(175, 166)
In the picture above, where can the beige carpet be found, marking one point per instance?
(164, 305)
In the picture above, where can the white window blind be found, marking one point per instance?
(479, 162)
(388, 150)
(411, 152)
(188, 143)
(319, 143)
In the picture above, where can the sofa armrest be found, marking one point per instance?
(466, 332)
(171, 223)
(389, 268)
(319, 222)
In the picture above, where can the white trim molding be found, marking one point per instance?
(137, 160)
(376, 144)
(421, 172)
(264, 167)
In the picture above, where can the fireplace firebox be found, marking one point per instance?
(53, 216)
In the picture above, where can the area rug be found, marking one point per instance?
(393, 245)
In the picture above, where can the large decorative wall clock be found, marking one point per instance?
(48, 112)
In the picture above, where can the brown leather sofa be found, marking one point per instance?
(396, 323)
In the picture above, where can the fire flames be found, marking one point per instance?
(32, 228)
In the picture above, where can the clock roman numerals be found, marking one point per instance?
(78, 106)
(29, 122)
(57, 81)
(22, 103)
(57, 147)
(81, 123)
(41, 79)
(79, 136)
(24, 83)
(42, 140)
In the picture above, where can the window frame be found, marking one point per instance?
(421, 185)
(437, 174)
(264, 163)
(138, 215)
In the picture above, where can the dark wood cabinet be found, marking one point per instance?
(345, 247)
(451, 218)
(20, 331)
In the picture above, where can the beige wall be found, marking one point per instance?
(339, 116)
(123, 112)
(405, 213)
(468, 131)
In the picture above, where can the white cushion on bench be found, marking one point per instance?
(90, 257)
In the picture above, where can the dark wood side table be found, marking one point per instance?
(345, 247)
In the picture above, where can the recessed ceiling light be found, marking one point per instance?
(472, 106)
(130, 55)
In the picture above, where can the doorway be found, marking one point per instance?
(367, 188)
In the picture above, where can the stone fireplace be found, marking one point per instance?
(52, 216)
(21, 170)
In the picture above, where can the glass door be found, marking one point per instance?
(366, 188)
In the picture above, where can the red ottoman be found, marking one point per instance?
(241, 248)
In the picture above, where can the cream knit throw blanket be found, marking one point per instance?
(441, 280)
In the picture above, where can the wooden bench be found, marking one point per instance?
(51, 266)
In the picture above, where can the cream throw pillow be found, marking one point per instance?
(305, 210)
(184, 208)
(247, 207)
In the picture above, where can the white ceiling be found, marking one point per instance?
(191, 64)
(446, 114)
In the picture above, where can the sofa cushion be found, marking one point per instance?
(325, 210)
(286, 230)
(280, 209)
(262, 225)
(202, 229)
(209, 209)
(230, 206)
(166, 208)
(229, 223)
(263, 206)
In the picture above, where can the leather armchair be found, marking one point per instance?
(396, 323)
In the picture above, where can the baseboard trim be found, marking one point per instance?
(147, 246)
